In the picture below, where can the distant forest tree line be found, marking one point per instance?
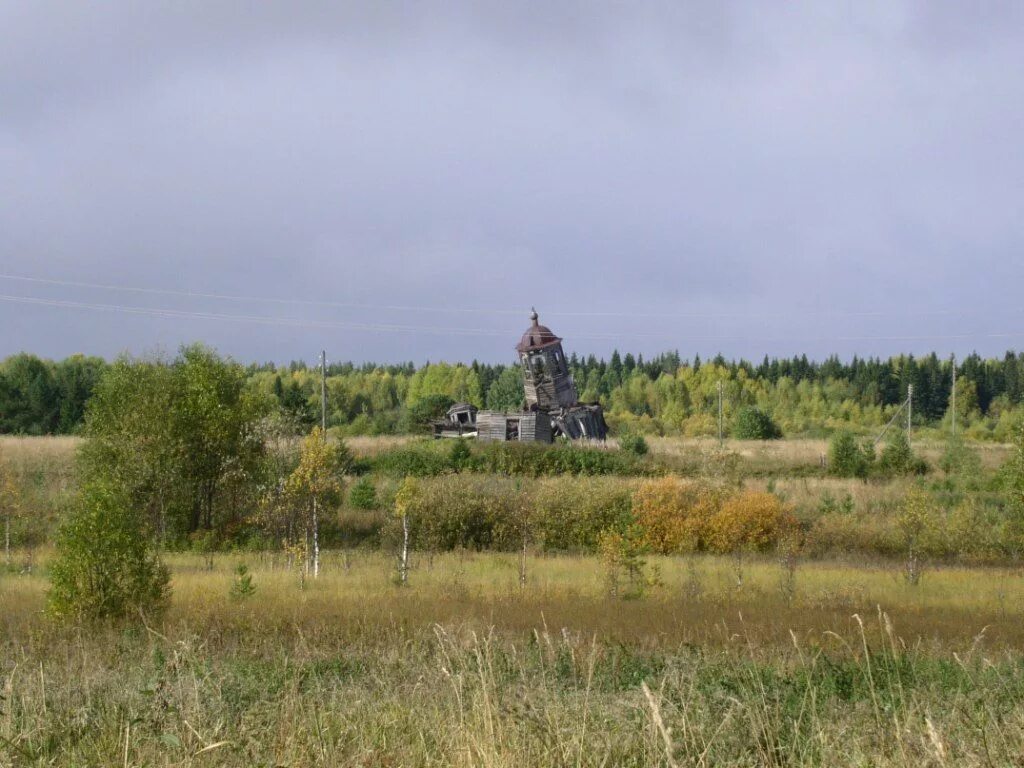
(661, 395)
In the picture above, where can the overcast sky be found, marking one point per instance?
(749, 178)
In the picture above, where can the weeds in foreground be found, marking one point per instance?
(470, 695)
(463, 667)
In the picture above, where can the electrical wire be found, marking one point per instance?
(281, 321)
(450, 309)
(458, 331)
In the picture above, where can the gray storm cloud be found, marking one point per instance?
(748, 178)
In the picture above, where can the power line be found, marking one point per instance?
(460, 331)
(237, 297)
(450, 309)
(280, 321)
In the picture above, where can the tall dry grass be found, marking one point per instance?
(464, 668)
(788, 454)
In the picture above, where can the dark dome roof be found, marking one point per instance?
(536, 336)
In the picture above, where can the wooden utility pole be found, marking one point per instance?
(720, 436)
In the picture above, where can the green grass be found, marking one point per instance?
(464, 668)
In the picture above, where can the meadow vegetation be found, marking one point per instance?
(201, 579)
(852, 666)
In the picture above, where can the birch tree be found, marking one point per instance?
(315, 484)
(405, 500)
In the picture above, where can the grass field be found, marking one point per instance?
(837, 661)
(850, 666)
(773, 453)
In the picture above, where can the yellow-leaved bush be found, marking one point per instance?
(673, 513)
(748, 521)
(678, 516)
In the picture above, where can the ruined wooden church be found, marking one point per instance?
(552, 403)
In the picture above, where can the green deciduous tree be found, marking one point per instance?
(29, 402)
(106, 567)
(215, 428)
(421, 414)
(917, 519)
(75, 378)
(506, 393)
(754, 424)
(181, 439)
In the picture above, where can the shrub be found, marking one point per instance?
(846, 458)
(844, 534)
(958, 459)
(363, 494)
(622, 554)
(418, 459)
(748, 521)
(105, 567)
(534, 460)
(754, 424)
(460, 456)
(429, 458)
(242, 586)
(571, 513)
(634, 443)
(1012, 481)
(457, 513)
(898, 458)
(466, 512)
(919, 522)
(672, 513)
(498, 513)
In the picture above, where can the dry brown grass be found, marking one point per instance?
(372, 446)
(807, 492)
(36, 450)
(464, 668)
(757, 456)
(783, 455)
(42, 470)
(356, 593)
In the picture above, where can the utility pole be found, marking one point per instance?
(720, 437)
(910, 410)
(953, 395)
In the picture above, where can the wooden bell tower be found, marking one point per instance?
(546, 379)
